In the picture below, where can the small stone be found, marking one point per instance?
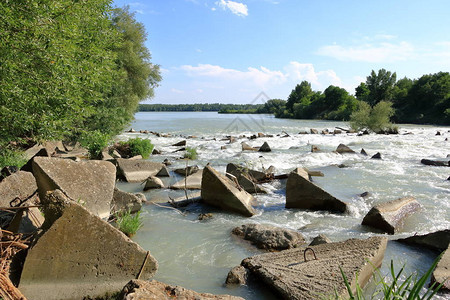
(237, 275)
(320, 239)
(204, 217)
(314, 148)
(153, 182)
(376, 156)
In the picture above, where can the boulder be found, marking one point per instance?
(320, 239)
(155, 290)
(32, 153)
(363, 152)
(269, 237)
(438, 163)
(341, 149)
(438, 240)
(302, 193)
(88, 182)
(441, 275)
(244, 179)
(218, 190)
(192, 182)
(296, 274)
(314, 131)
(82, 256)
(376, 156)
(245, 147)
(137, 170)
(153, 182)
(125, 202)
(265, 148)
(17, 189)
(164, 172)
(389, 216)
(189, 170)
(180, 144)
(237, 275)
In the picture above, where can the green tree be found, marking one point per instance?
(362, 92)
(380, 86)
(376, 119)
(300, 94)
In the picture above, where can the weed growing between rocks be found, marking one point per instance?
(94, 141)
(129, 223)
(9, 157)
(138, 146)
(393, 288)
(191, 153)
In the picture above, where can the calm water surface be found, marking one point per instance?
(198, 255)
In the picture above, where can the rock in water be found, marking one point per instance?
(179, 144)
(125, 202)
(237, 275)
(376, 156)
(219, 191)
(137, 170)
(90, 183)
(265, 148)
(302, 193)
(82, 256)
(344, 149)
(292, 277)
(270, 237)
(438, 163)
(442, 272)
(189, 170)
(389, 216)
(192, 182)
(155, 290)
(438, 240)
(244, 179)
(153, 182)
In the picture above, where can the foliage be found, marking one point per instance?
(393, 288)
(191, 153)
(94, 141)
(376, 119)
(129, 223)
(11, 157)
(140, 146)
(380, 86)
(65, 69)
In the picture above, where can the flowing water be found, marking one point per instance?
(198, 254)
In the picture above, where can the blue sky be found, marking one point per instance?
(230, 51)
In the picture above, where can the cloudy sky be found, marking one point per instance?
(230, 51)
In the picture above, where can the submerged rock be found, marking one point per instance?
(292, 277)
(269, 237)
(219, 191)
(438, 163)
(389, 216)
(82, 256)
(155, 290)
(88, 182)
(302, 193)
(341, 149)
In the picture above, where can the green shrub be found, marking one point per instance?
(140, 146)
(376, 119)
(10, 157)
(392, 288)
(94, 141)
(191, 153)
(129, 223)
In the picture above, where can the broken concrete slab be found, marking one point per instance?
(389, 216)
(288, 273)
(18, 188)
(265, 148)
(344, 149)
(88, 182)
(438, 240)
(441, 275)
(164, 172)
(220, 191)
(268, 237)
(247, 147)
(155, 290)
(244, 179)
(189, 170)
(135, 170)
(302, 193)
(68, 262)
(125, 202)
(237, 275)
(254, 175)
(192, 182)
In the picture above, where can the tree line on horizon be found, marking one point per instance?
(70, 69)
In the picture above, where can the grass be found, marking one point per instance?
(393, 288)
(129, 223)
(191, 153)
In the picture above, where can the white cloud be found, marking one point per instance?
(236, 8)
(370, 52)
(301, 71)
(176, 91)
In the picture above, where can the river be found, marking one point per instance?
(198, 254)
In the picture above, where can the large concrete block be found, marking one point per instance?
(135, 170)
(293, 277)
(82, 255)
(389, 216)
(90, 183)
(438, 240)
(244, 178)
(192, 182)
(17, 188)
(441, 275)
(218, 190)
(123, 202)
(302, 193)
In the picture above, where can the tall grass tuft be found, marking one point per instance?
(139, 146)
(129, 223)
(191, 153)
